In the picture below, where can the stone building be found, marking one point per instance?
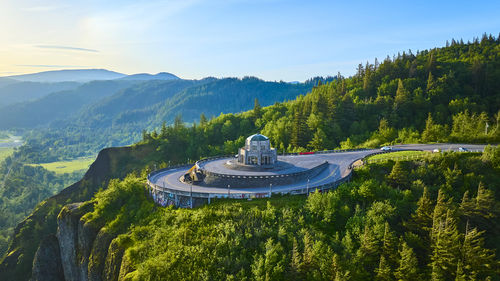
(257, 151)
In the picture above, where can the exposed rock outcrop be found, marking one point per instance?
(67, 235)
(113, 262)
(79, 251)
(110, 163)
(98, 255)
(47, 264)
(86, 236)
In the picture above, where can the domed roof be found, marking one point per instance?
(257, 137)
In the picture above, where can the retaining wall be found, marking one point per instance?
(223, 180)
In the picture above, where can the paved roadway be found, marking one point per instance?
(339, 163)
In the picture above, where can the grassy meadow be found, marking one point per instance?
(69, 166)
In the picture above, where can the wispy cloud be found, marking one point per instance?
(67, 48)
(41, 8)
(48, 65)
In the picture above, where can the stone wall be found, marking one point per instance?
(223, 180)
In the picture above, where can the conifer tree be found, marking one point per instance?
(368, 252)
(318, 141)
(433, 131)
(299, 128)
(408, 264)
(439, 213)
(401, 94)
(446, 250)
(163, 131)
(296, 261)
(383, 271)
(178, 123)
(430, 82)
(478, 261)
(337, 268)
(203, 120)
(485, 202)
(257, 109)
(421, 220)
(389, 246)
(398, 176)
(307, 256)
(460, 275)
(481, 210)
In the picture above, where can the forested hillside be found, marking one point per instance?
(437, 221)
(57, 105)
(26, 91)
(118, 118)
(444, 94)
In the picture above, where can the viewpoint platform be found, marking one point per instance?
(257, 172)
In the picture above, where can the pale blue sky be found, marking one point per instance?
(271, 39)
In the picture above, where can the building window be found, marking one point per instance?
(253, 160)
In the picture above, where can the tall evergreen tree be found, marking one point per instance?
(438, 216)
(446, 250)
(368, 252)
(257, 109)
(408, 264)
(401, 94)
(318, 141)
(398, 176)
(296, 261)
(299, 128)
(383, 272)
(478, 262)
(421, 220)
(203, 120)
(430, 82)
(389, 246)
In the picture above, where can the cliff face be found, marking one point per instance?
(79, 252)
(47, 265)
(74, 238)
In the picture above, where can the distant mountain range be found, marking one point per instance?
(74, 75)
(92, 115)
(147, 76)
(29, 87)
(82, 75)
(15, 92)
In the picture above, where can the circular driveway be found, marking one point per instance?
(338, 168)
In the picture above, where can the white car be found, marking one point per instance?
(436, 150)
(386, 148)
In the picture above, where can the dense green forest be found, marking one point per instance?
(117, 119)
(449, 94)
(444, 94)
(432, 219)
(22, 187)
(26, 91)
(57, 105)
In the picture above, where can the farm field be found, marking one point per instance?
(61, 167)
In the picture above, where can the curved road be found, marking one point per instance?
(338, 168)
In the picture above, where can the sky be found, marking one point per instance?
(271, 39)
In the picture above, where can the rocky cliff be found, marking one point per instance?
(81, 251)
(55, 226)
